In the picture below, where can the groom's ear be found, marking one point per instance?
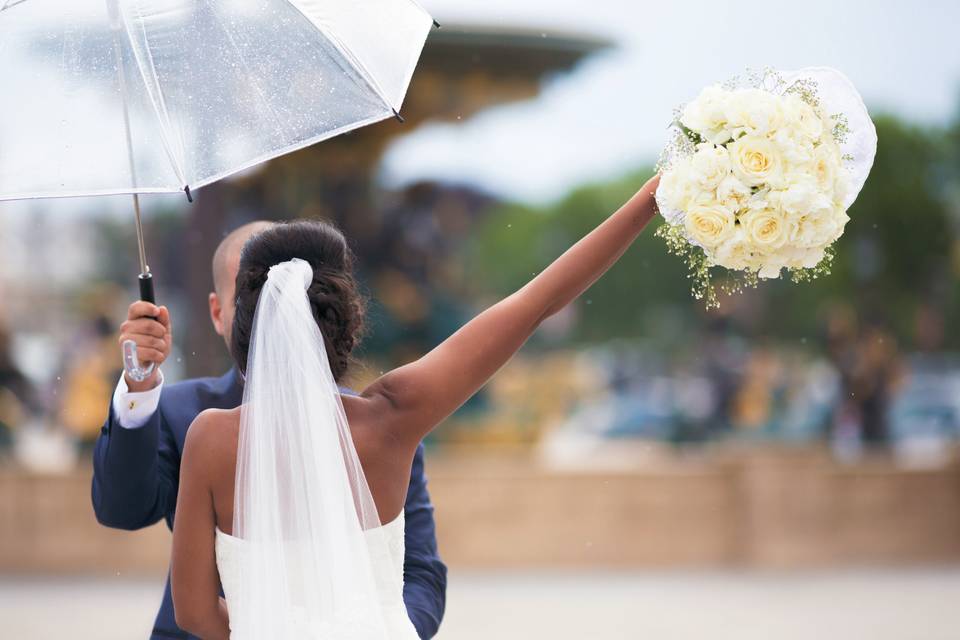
(216, 313)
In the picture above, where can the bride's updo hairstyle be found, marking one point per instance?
(334, 295)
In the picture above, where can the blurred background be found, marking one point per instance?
(785, 466)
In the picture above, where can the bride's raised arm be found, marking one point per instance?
(415, 398)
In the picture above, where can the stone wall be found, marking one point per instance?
(753, 510)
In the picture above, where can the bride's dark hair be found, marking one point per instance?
(335, 299)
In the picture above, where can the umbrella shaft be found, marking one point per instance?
(113, 10)
(144, 268)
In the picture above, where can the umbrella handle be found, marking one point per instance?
(131, 364)
(146, 288)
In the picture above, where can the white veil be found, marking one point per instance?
(315, 563)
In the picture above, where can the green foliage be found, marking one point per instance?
(898, 251)
(516, 242)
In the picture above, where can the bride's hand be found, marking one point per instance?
(651, 185)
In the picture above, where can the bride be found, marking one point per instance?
(293, 502)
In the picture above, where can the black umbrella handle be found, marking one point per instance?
(146, 288)
(131, 364)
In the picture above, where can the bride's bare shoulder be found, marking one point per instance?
(212, 432)
(215, 421)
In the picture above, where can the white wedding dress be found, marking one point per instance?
(308, 558)
(229, 560)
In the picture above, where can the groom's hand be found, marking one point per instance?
(149, 327)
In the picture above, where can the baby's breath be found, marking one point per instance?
(732, 83)
(766, 78)
(841, 128)
(823, 268)
(698, 264)
(683, 143)
(701, 270)
(691, 135)
(807, 90)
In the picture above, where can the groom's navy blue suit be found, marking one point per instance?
(137, 471)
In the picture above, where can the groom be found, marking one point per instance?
(137, 456)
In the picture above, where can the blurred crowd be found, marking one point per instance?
(852, 388)
(69, 401)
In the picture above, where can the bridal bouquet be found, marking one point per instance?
(759, 175)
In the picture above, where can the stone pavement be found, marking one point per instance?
(887, 604)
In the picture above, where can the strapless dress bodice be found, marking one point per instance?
(229, 554)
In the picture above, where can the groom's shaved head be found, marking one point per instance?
(226, 264)
(226, 259)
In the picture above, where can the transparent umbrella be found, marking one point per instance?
(106, 97)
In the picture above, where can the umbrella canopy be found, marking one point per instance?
(106, 97)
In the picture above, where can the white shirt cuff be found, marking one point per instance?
(133, 409)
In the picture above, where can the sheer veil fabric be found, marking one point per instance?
(315, 563)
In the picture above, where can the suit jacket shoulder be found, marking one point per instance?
(181, 402)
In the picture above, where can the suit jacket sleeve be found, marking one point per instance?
(135, 473)
(424, 574)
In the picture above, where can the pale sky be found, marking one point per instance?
(611, 114)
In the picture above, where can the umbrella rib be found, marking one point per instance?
(349, 55)
(164, 133)
(9, 4)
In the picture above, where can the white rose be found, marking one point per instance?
(755, 161)
(819, 228)
(826, 162)
(754, 112)
(811, 231)
(677, 189)
(706, 115)
(796, 151)
(840, 222)
(771, 267)
(736, 253)
(802, 117)
(827, 165)
(708, 225)
(801, 196)
(732, 193)
(801, 258)
(765, 229)
(763, 199)
(841, 185)
(831, 173)
(710, 165)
